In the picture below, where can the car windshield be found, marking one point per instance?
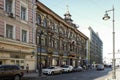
(65, 66)
(51, 67)
(79, 66)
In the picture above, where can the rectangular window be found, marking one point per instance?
(9, 31)
(55, 44)
(43, 41)
(8, 5)
(37, 40)
(23, 13)
(52, 43)
(24, 36)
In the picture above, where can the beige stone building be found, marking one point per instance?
(61, 41)
(17, 32)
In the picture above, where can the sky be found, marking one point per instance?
(87, 13)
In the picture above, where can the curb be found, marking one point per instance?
(34, 78)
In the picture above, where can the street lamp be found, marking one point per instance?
(106, 17)
(40, 33)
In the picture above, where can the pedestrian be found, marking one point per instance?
(27, 68)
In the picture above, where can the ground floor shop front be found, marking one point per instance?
(57, 60)
(17, 54)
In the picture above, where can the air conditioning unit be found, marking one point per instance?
(10, 14)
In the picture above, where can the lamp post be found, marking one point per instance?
(40, 33)
(106, 17)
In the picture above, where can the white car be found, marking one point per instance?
(52, 70)
(67, 68)
(100, 67)
(78, 68)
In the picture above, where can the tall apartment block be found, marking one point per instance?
(95, 46)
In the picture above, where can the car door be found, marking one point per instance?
(53, 70)
(2, 71)
(7, 71)
(56, 70)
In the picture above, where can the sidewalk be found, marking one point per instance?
(33, 76)
(117, 75)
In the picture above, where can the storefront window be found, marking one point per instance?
(55, 61)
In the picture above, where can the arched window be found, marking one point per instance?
(53, 26)
(56, 27)
(45, 22)
(38, 19)
(56, 44)
(43, 40)
(60, 31)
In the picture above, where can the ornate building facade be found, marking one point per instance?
(60, 42)
(17, 38)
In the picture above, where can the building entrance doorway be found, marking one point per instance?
(0, 62)
(71, 62)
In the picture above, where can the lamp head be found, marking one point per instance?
(106, 17)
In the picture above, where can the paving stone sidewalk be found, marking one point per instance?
(33, 76)
(117, 75)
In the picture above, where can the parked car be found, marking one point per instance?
(78, 68)
(108, 65)
(52, 70)
(100, 67)
(67, 68)
(13, 72)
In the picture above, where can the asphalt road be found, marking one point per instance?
(84, 75)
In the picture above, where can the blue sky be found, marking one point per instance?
(87, 13)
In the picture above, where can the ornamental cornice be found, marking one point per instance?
(16, 43)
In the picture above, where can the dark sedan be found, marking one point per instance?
(13, 72)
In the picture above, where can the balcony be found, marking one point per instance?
(72, 54)
(61, 52)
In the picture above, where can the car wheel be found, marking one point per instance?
(60, 72)
(52, 73)
(68, 70)
(17, 77)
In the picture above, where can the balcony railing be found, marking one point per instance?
(71, 53)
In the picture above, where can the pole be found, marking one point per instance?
(114, 60)
(40, 68)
